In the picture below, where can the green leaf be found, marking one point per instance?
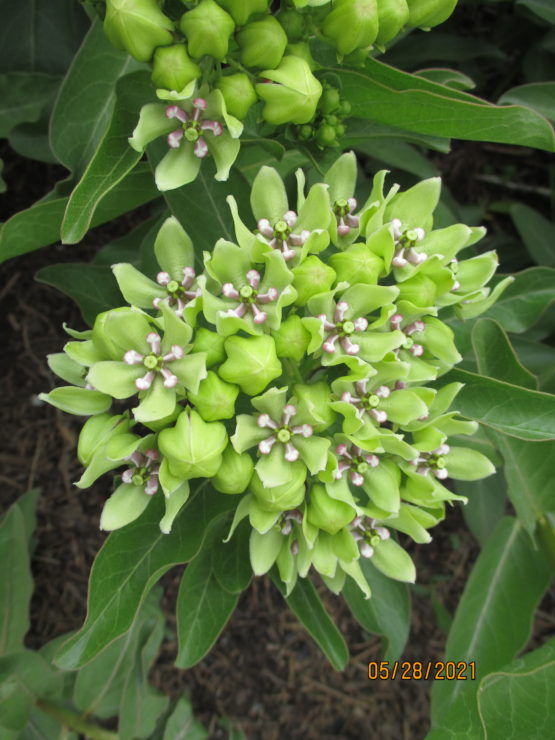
(112, 161)
(542, 8)
(504, 407)
(309, 610)
(203, 608)
(537, 233)
(182, 724)
(360, 131)
(493, 618)
(200, 207)
(16, 582)
(487, 499)
(86, 99)
(525, 300)
(385, 95)
(540, 96)
(129, 563)
(92, 287)
(385, 613)
(449, 77)
(24, 676)
(39, 225)
(230, 560)
(40, 37)
(495, 356)
(23, 96)
(531, 485)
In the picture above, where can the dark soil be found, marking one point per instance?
(264, 673)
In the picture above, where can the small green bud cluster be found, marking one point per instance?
(292, 373)
(328, 126)
(231, 54)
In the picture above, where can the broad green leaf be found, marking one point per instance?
(528, 465)
(537, 95)
(86, 99)
(306, 605)
(495, 356)
(449, 77)
(129, 563)
(542, 8)
(40, 37)
(23, 97)
(92, 287)
(203, 609)
(41, 726)
(39, 225)
(397, 153)
(525, 300)
(420, 49)
(230, 560)
(505, 407)
(27, 504)
(519, 701)
(201, 207)
(16, 581)
(24, 676)
(385, 95)
(182, 725)
(385, 613)
(493, 618)
(487, 501)
(112, 161)
(359, 131)
(100, 685)
(537, 233)
(253, 156)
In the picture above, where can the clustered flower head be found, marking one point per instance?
(213, 62)
(292, 372)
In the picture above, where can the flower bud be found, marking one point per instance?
(292, 338)
(311, 277)
(193, 447)
(280, 498)
(352, 24)
(211, 343)
(137, 26)
(172, 68)
(392, 16)
(325, 135)
(292, 93)
(357, 264)
(251, 363)
(326, 512)
(238, 93)
(235, 472)
(302, 50)
(262, 43)
(330, 100)
(241, 10)
(207, 28)
(293, 23)
(429, 13)
(215, 398)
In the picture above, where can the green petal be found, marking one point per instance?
(84, 354)
(168, 481)
(264, 549)
(382, 486)
(272, 403)
(438, 338)
(126, 504)
(248, 433)
(374, 346)
(364, 299)
(268, 196)
(122, 446)
(273, 469)
(228, 263)
(178, 167)
(66, 368)
(96, 466)
(245, 238)
(174, 504)
(404, 406)
(414, 521)
(261, 519)
(415, 206)
(355, 571)
(394, 562)
(136, 288)
(342, 176)
(124, 329)
(173, 248)
(315, 212)
(176, 331)
(314, 452)
(152, 124)
(79, 401)
(158, 402)
(115, 378)
(225, 150)
(323, 557)
(466, 464)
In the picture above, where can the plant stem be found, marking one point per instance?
(75, 721)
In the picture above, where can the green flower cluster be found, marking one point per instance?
(214, 61)
(292, 372)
